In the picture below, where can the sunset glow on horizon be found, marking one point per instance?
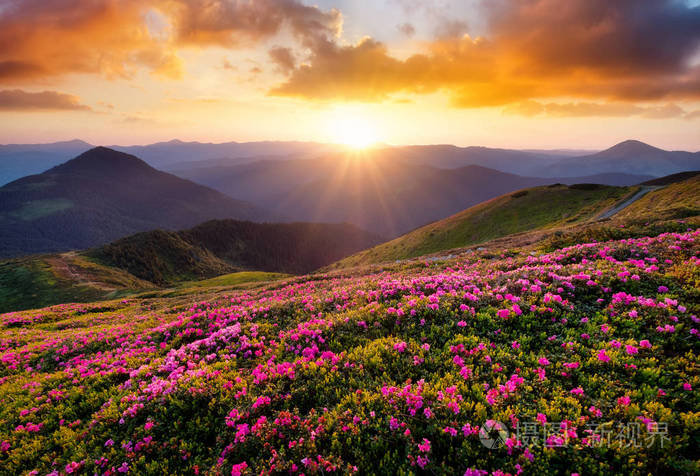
(517, 73)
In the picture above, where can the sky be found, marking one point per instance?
(577, 74)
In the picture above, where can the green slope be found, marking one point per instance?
(675, 201)
(45, 280)
(530, 209)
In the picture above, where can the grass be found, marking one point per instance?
(525, 210)
(678, 200)
(235, 279)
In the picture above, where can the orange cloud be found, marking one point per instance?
(45, 38)
(18, 100)
(625, 50)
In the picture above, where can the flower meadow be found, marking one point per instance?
(478, 364)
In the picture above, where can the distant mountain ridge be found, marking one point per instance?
(102, 195)
(630, 156)
(18, 160)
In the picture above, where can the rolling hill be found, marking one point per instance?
(215, 253)
(224, 246)
(524, 210)
(102, 195)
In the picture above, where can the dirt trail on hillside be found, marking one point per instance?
(644, 189)
(65, 266)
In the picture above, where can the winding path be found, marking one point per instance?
(644, 189)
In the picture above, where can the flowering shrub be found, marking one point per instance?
(389, 370)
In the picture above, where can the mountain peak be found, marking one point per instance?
(630, 147)
(103, 160)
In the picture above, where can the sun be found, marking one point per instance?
(354, 131)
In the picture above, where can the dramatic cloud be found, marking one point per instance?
(18, 100)
(228, 22)
(626, 50)
(549, 51)
(44, 38)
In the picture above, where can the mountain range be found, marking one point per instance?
(18, 160)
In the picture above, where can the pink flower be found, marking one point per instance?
(540, 373)
(462, 324)
(239, 469)
(645, 344)
(602, 356)
(633, 313)
(450, 430)
(543, 361)
(515, 344)
(687, 386)
(400, 346)
(577, 391)
(465, 372)
(425, 446)
(503, 313)
(542, 418)
(261, 401)
(631, 350)
(422, 461)
(624, 401)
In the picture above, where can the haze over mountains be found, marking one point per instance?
(386, 193)
(18, 160)
(100, 196)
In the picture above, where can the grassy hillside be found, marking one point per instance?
(525, 210)
(591, 349)
(673, 208)
(677, 200)
(44, 280)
